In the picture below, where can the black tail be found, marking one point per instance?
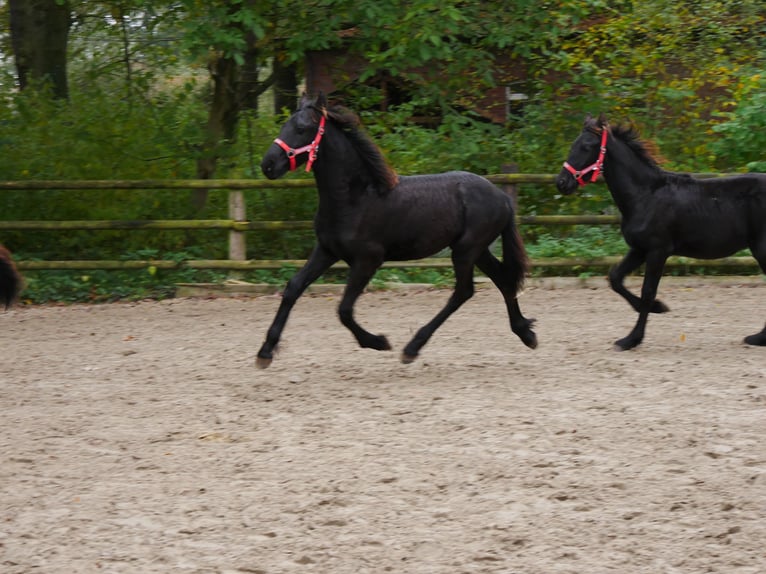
(514, 255)
(10, 280)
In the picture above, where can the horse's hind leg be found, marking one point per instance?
(632, 261)
(358, 278)
(319, 261)
(463, 265)
(494, 269)
(760, 254)
(10, 280)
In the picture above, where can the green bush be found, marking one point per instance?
(743, 133)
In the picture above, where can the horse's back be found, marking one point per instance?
(427, 213)
(743, 194)
(740, 187)
(462, 186)
(461, 193)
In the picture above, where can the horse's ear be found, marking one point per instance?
(305, 101)
(602, 121)
(590, 123)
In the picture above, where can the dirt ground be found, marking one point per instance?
(141, 438)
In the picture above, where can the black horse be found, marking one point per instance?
(368, 215)
(665, 213)
(10, 280)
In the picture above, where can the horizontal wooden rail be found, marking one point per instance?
(242, 184)
(150, 184)
(261, 264)
(167, 224)
(172, 224)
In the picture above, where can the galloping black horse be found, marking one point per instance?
(368, 215)
(10, 281)
(665, 213)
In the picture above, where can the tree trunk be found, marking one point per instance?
(249, 86)
(39, 36)
(221, 122)
(285, 86)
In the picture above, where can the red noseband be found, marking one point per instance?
(595, 168)
(311, 148)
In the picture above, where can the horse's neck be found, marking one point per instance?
(338, 169)
(629, 178)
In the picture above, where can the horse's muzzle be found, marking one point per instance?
(274, 164)
(566, 183)
(267, 167)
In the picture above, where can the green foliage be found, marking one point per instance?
(457, 143)
(582, 241)
(106, 286)
(222, 26)
(743, 132)
(98, 136)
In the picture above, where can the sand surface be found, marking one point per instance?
(141, 438)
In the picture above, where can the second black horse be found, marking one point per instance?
(665, 213)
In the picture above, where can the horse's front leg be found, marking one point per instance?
(655, 263)
(318, 262)
(359, 276)
(632, 261)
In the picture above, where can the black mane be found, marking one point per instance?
(645, 151)
(383, 175)
(630, 136)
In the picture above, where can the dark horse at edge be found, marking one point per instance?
(665, 213)
(367, 215)
(10, 280)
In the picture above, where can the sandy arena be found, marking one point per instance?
(140, 438)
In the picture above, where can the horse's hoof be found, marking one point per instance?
(759, 340)
(375, 342)
(530, 339)
(625, 344)
(659, 307)
(262, 362)
(407, 359)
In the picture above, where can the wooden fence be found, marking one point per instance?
(238, 226)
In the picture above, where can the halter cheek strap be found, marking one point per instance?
(310, 148)
(595, 168)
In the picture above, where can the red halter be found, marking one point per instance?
(311, 148)
(595, 168)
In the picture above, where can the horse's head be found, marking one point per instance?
(298, 139)
(586, 155)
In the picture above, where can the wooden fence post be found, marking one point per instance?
(237, 245)
(510, 188)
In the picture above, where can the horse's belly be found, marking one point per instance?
(710, 247)
(414, 250)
